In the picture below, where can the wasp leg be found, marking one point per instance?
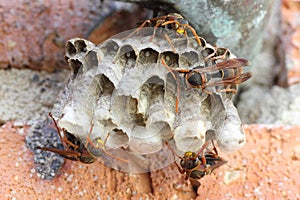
(99, 141)
(223, 57)
(170, 42)
(57, 128)
(211, 55)
(177, 83)
(180, 31)
(228, 89)
(136, 31)
(88, 138)
(185, 188)
(154, 30)
(102, 144)
(70, 144)
(194, 33)
(206, 91)
(68, 154)
(65, 142)
(195, 184)
(214, 148)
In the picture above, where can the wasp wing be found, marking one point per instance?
(228, 64)
(230, 81)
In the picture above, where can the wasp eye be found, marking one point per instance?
(87, 159)
(183, 21)
(195, 79)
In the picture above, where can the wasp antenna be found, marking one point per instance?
(88, 137)
(173, 150)
(56, 126)
(214, 147)
(194, 33)
(202, 148)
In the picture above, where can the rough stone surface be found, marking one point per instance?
(274, 106)
(26, 95)
(262, 101)
(267, 168)
(238, 25)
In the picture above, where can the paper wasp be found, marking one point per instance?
(172, 21)
(74, 148)
(226, 73)
(196, 165)
(97, 146)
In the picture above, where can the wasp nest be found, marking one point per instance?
(121, 93)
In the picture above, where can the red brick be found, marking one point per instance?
(290, 38)
(28, 29)
(268, 167)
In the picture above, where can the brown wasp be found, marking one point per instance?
(74, 148)
(172, 21)
(226, 73)
(98, 144)
(196, 165)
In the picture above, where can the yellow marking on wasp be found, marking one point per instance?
(180, 31)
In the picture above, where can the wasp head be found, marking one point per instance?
(189, 160)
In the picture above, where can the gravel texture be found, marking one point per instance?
(43, 134)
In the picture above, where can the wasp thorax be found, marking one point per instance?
(189, 160)
(195, 79)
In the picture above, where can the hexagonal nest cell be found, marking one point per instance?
(127, 90)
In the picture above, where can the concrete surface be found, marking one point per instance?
(271, 106)
(263, 100)
(238, 25)
(27, 95)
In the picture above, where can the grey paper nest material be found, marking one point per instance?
(121, 88)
